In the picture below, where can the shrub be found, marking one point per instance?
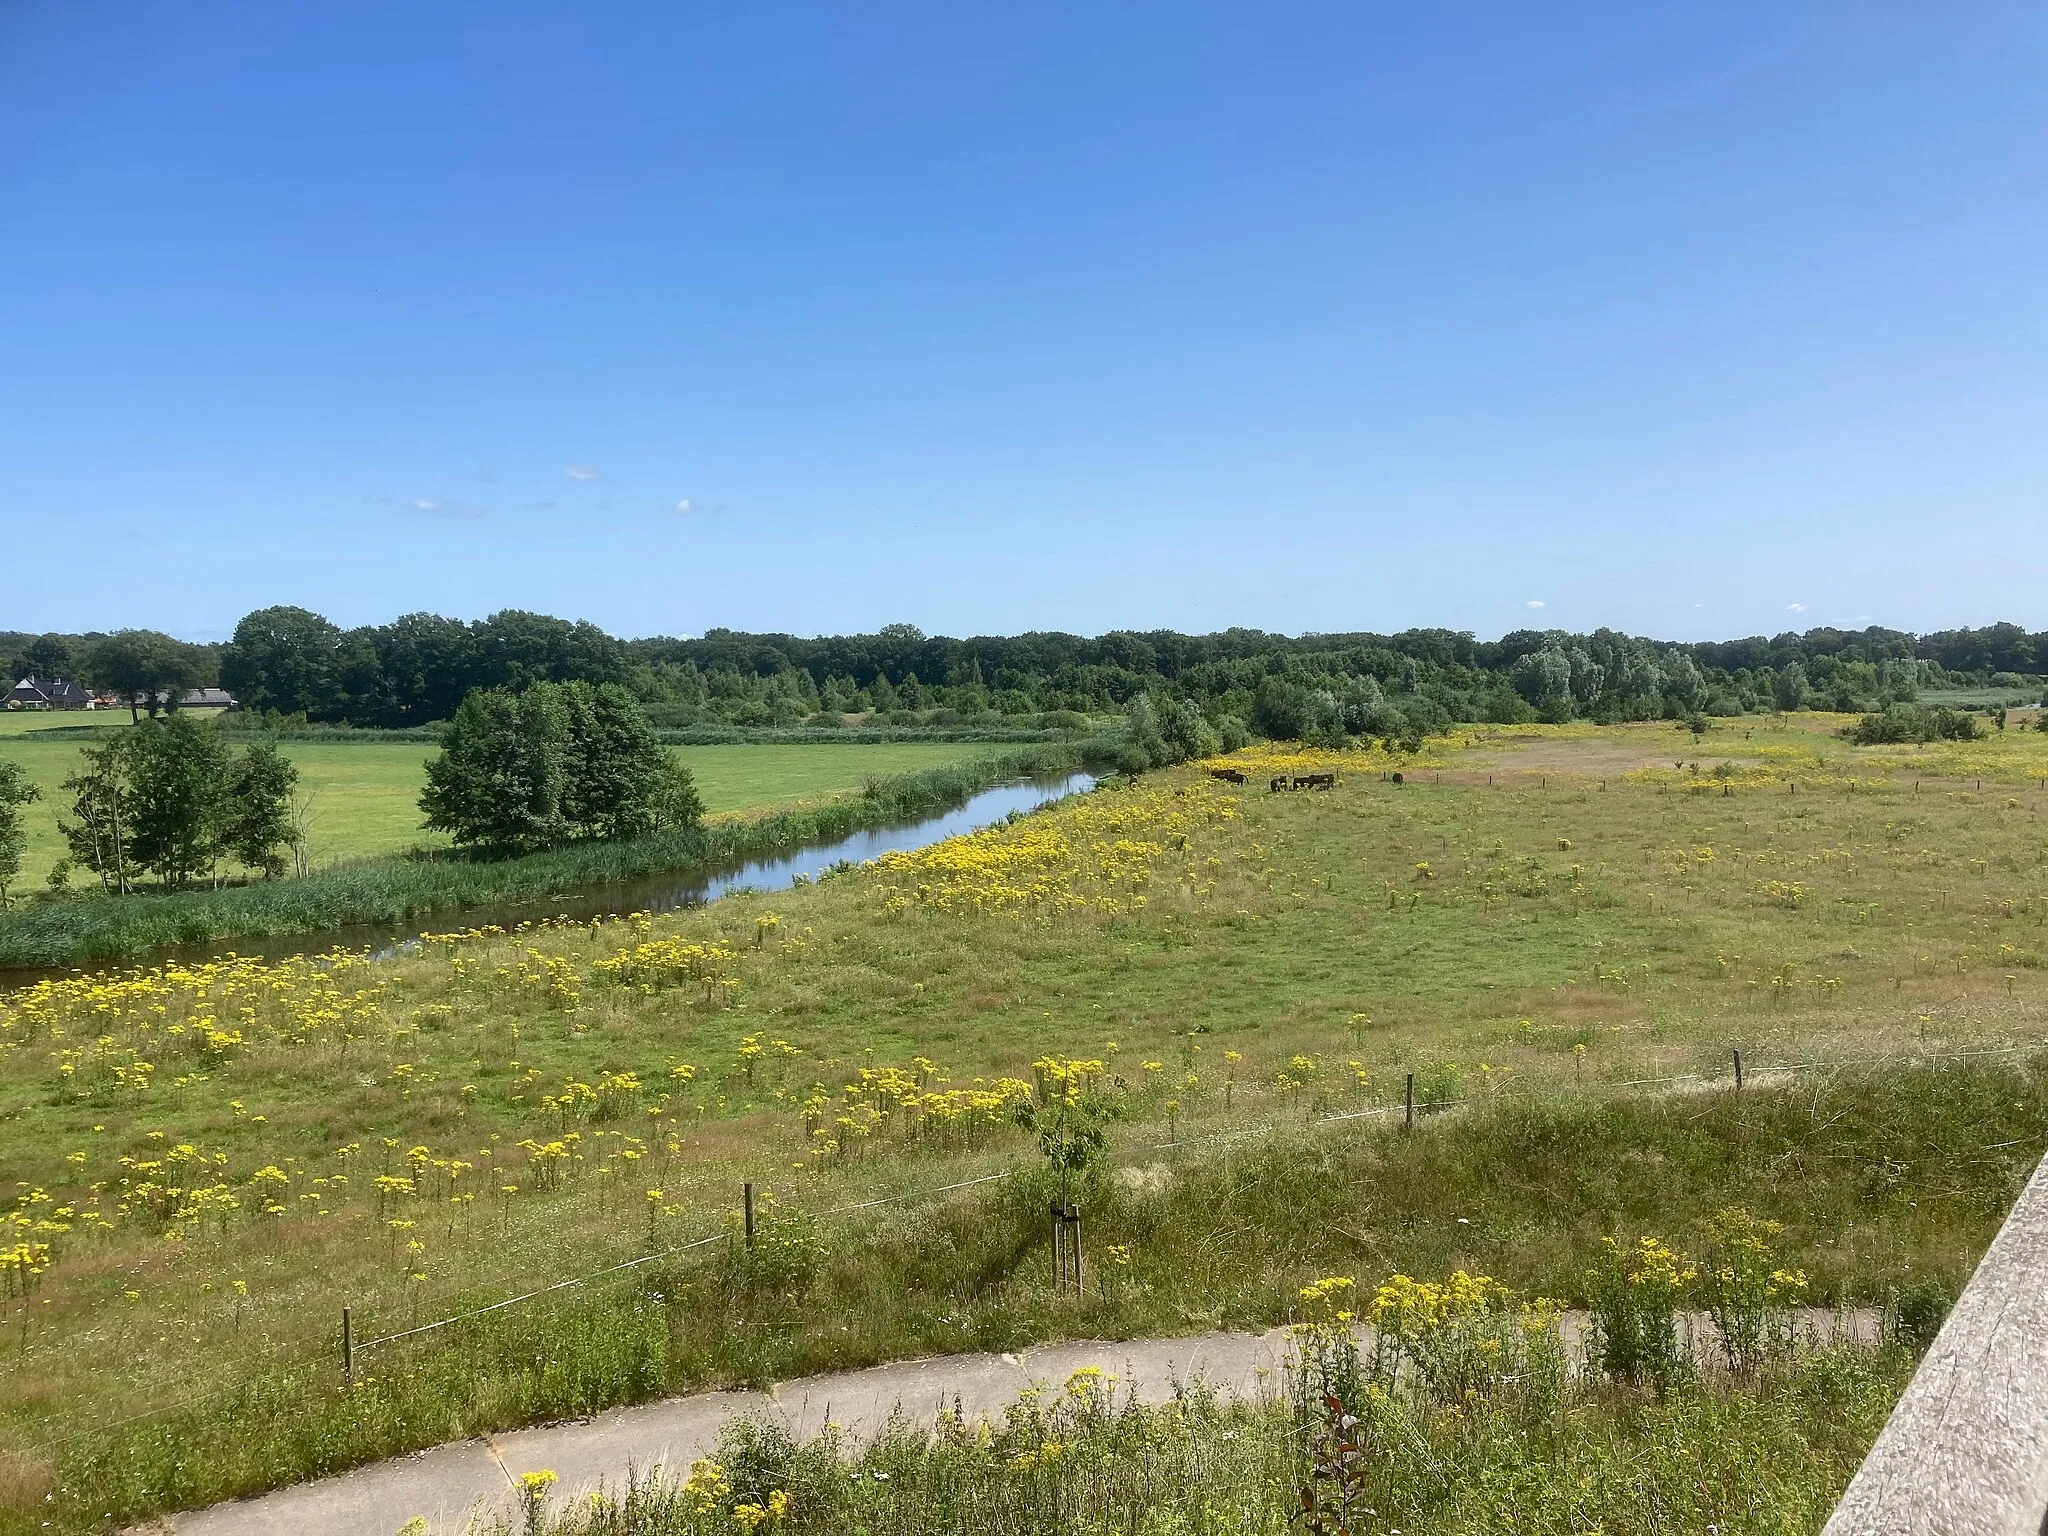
(1634, 1293)
(1912, 722)
(1746, 1292)
(1917, 1313)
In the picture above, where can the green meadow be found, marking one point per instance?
(364, 795)
(1560, 935)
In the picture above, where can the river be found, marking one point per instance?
(655, 893)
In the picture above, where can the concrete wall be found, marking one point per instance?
(1965, 1453)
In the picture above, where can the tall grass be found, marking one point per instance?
(1877, 1176)
(1762, 1458)
(100, 929)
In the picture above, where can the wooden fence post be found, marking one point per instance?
(1409, 1122)
(748, 1195)
(1738, 1071)
(348, 1352)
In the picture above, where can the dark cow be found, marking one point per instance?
(1227, 775)
(1315, 781)
(1279, 783)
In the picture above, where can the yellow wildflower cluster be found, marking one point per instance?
(1456, 1339)
(1409, 1306)
(907, 1101)
(176, 1023)
(1652, 1265)
(658, 963)
(706, 1486)
(550, 977)
(1093, 852)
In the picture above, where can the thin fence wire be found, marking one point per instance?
(1752, 1073)
(358, 1347)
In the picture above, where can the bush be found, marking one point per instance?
(519, 772)
(1897, 723)
(1917, 1313)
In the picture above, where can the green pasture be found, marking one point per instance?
(1563, 939)
(365, 795)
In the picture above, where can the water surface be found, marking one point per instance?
(652, 893)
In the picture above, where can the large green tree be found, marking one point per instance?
(258, 824)
(98, 830)
(48, 656)
(148, 669)
(170, 798)
(285, 659)
(614, 772)
(177, 798)
(524, 771)
(498, 782)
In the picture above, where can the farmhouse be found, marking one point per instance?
(190, 698)
(48, 693)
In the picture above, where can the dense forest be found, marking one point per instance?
(289, 663)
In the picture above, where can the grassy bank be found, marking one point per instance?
(98, 930)
(1762, 1457)
(363, 788)
(1564, 916)
(1228, 1236)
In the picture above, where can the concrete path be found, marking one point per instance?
(451, 1484)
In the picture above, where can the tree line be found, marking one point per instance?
(289, 663)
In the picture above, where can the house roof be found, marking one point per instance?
(55, 692)
(193, 698)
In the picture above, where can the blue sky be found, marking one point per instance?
(1691, 320)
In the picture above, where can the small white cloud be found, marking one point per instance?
(1534, 602)
(1795, 607)
(581, 472)
(684, 507)
(438, 508)
(1699, 605)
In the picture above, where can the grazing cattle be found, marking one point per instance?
(1315, 781)
(1279, 783)
(1227, 775)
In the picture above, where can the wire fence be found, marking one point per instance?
(355, 1348)
(1410, 1108)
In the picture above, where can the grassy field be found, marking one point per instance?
(365, 795)
(1561, 932)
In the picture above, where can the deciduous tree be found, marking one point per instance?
(149, 670)
(259, 823)
(176, 798)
